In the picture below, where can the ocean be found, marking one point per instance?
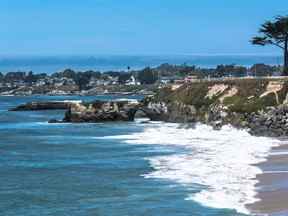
(120, 63)
(123, 169)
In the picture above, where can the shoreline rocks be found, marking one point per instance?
(272, 122)
(99, 111)
(96, 111)
(257, 105)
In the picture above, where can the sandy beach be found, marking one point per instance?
(273, 184)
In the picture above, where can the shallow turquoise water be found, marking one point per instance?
(69, 169)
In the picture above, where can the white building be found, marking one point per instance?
(132, 81)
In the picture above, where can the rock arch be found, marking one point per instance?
(150, 113)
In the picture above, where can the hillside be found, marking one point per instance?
(259, 104)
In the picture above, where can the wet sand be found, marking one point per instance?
(273, 185)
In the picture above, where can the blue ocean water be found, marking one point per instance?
(105, 63)
(112, 169)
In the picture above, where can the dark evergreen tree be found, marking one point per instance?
(147, 76)
(275, 33)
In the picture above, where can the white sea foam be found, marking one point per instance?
(221, 161)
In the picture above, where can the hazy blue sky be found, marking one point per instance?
(75, 27)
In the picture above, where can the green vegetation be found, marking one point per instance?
(243, 105)
(147, 76)
(251, 95)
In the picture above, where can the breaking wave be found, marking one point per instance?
(223, 162)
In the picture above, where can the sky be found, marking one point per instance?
(134, 27)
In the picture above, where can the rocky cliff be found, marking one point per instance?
(95, 111)
(101, 111)
(261, 105)
(105, 111)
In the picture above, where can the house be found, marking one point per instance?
(93, 82)
(41, 82)
(168, 79)
(190, 79)
(132, 81)
(63, 81)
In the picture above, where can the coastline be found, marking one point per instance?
(233, 94)
(272, 186)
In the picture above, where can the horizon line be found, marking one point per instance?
(137, 55)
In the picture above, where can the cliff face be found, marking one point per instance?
(257, 104)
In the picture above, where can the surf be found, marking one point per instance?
(221, 162)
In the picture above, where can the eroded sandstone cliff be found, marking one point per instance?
(258, 104)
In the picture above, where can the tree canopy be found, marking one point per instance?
(147, 76)
(275, 33)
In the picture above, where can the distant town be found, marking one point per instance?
(144, 81)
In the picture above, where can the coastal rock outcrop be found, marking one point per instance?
(107, 111)
(43, 105)
(100, 111)
(96, 111)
